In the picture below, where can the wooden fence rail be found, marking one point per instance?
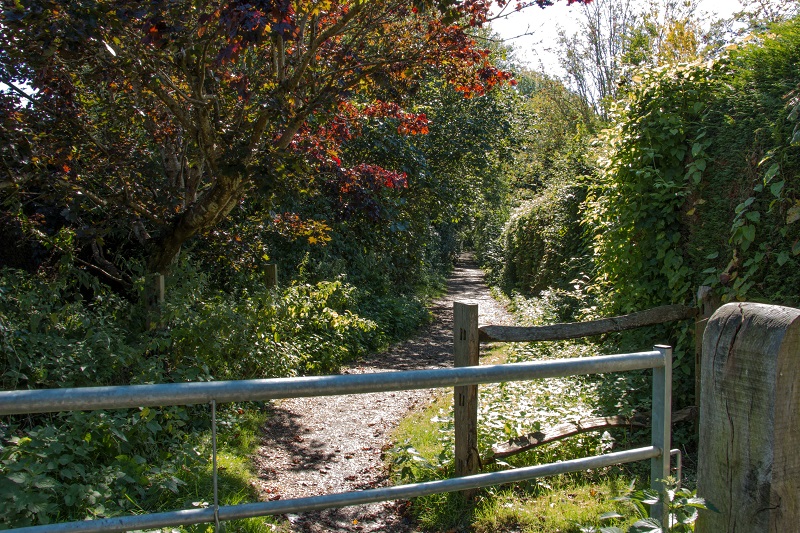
(466, 337)
(657, 315)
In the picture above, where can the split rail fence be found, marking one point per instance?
(465, 378)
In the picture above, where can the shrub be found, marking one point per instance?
(71, 466)
(544, 242)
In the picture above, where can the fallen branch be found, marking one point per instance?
(569, 429)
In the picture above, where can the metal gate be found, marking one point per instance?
(89, 398)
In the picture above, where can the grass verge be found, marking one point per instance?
(237, 441)
(565, 503)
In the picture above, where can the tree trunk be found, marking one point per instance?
(204, 214)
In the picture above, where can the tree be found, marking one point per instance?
(756, 16)
(615, 35)
(759, 13)
(147, 123)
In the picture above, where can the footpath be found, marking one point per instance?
(313, 446)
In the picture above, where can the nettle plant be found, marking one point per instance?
(683, 507)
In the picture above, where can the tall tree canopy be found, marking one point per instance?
(153, 120)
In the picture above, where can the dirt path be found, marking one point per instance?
(334, 444)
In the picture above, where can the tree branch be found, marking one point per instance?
(174, 107)
(533, 440)
(35, 101)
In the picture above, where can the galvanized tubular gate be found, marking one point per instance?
(89, 398)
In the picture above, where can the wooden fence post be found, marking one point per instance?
(748, 460)
(154, 300)
(271, 271)
(467, 352)
(707, 303)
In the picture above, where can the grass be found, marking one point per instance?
(565, 509)
(237, 440)
(555, 504)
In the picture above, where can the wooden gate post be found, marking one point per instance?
(271, 271)
(467, 352)
(154, 300)
(748, 464)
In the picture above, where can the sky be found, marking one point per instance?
(541, 47)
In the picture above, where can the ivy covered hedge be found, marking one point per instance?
(543, 240)
(696, 181)
(700, 181)
(700, 185)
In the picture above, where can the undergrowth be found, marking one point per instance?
(564, 503)
(60, 331)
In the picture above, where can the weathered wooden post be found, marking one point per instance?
(748, 464)
(467, 353)
(271, 271)
(154, 300)
(707, 303)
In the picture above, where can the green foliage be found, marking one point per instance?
(760, 258)
(682, 506)
(698, 186)
(538, 242)
(103, 463)
(655, 154)
(50, 336)
(82, 465)
(302, 329)
(543, 240)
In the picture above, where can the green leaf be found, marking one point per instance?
(45, 483)
(777, 187)
(20, 478)
(749, 233)
(773, 170)
(753, 216)
(609, 515)
(646, 525)
(782, 258)
(793, 214)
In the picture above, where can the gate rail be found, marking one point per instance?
(89, 398)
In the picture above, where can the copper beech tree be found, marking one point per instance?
(155, 119)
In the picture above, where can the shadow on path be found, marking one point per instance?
(313, 446)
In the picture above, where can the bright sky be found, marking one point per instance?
(542, 46)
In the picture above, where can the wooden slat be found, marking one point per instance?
(658, 315)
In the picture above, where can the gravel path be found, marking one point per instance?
(313, 446)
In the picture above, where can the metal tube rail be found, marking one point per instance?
(120, 397)
(344, 499)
